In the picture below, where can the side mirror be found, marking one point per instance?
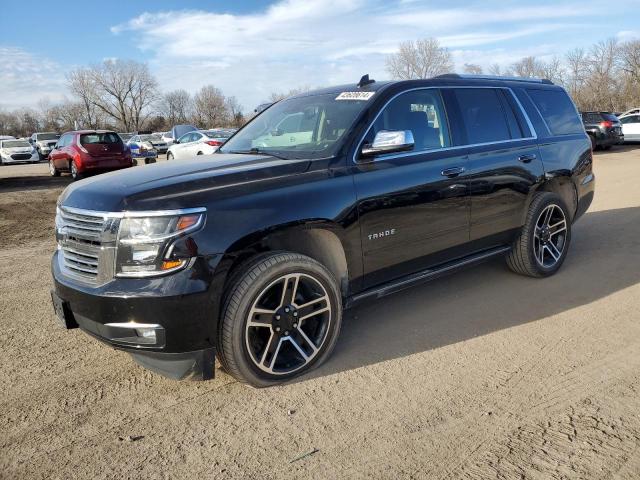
(176, 141)
(387, 141)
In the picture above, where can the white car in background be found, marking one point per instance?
(198, 142)
(633, 111)
(17, 151)
(631, 127)
(44, 142)
(167, 137)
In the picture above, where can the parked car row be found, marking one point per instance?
(606, 129)
(198, 142)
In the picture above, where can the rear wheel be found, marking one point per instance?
(543, 243)
(281, 318)
(53, 171)
(75, 174)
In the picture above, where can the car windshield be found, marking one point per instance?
(610, 116)
(125, 136)
(103, 138)
(48, 136)
(218, 133)
(15, 143)
(303, 127)
(147, 138)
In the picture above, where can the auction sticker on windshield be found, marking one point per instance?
(355, 96)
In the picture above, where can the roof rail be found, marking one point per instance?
(496, 77)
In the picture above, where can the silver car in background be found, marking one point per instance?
(17, 151)
(44, 142)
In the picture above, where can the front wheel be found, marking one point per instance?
(169, 156)
(542, 245)
(282, 317)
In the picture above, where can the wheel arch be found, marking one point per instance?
(564, 186)
(323, 242)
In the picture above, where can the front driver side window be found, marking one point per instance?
(422, 112)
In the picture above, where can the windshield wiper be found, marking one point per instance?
(255, 150)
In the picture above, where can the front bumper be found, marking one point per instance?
(179, 307)
(8, 159)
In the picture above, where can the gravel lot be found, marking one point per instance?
(482, 374)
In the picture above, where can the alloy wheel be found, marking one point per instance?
(550, 236)
(288, 324)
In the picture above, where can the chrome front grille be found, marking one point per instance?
(86, 241)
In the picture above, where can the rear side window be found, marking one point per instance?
(557, 110)
(611, 117)
(102, 138)
(483, 115)
(631, 119)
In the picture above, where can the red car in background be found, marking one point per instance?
(86, 151)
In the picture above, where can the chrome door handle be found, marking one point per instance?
(527, 158)
(452, 172)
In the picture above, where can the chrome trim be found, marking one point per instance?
(134, 213)
(133, 325)
(445, 149)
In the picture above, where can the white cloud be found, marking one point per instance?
(26, 79)
(626, 35)
(305, 42)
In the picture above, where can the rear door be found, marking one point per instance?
(504, 163)
(413, 206)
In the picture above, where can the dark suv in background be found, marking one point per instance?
(253, 252)
(604, 129)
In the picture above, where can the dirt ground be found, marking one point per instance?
(482, 374)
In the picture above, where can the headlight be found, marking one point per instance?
(145, 243)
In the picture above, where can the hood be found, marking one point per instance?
(17, 149)
(177, 183)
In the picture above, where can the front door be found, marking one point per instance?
(413, 206)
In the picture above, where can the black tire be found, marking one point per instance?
(247, 285)
(53, 171)
(522, 258)
(594, 144)
(169, 156)
(73, 168)
(199, 153)
(607, 147)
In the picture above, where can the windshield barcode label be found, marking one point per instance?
(355, 96)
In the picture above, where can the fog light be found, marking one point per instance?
(148, 334)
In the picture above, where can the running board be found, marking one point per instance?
(426, 275)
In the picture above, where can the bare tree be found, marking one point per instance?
(210, 107)
(421, 59)
(277, 96)
(472, 69)
(81, 84)
(236, 116)
(496, 69)
(577, 72)
(176, 107)
(123, 90)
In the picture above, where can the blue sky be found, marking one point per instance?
(251, 48)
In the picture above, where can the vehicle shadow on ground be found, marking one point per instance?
(604, 258)
(623, 148)
(15, 184)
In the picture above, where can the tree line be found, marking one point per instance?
(603, 77)
(124, 95)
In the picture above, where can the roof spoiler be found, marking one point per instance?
(458, 76)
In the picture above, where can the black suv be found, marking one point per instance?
(323, 200)
(604, 129)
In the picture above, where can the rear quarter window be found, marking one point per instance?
(557, 110)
